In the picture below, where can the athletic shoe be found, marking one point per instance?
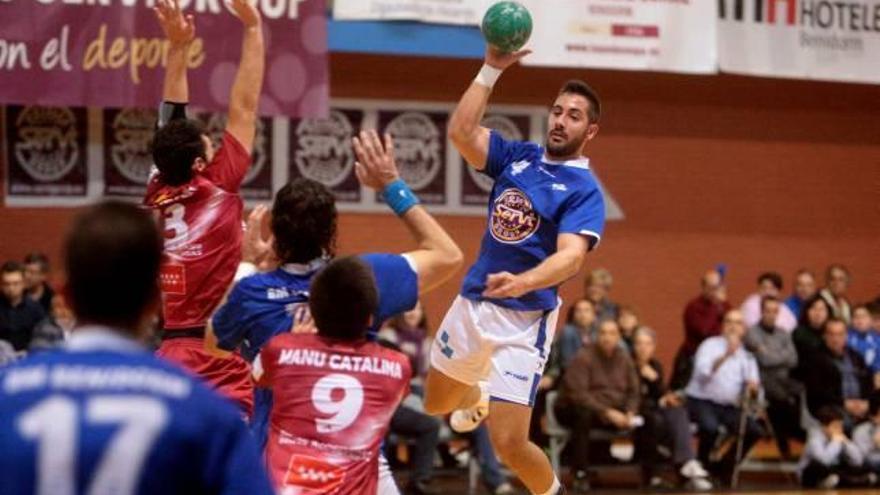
(465, 420)
(693, 469)
(830, 481)
(700, 484)
(504, 489)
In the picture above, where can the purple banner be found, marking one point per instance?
(420, 150)
(113, 54)
(476, 186)
(46, 151)
(321, 150)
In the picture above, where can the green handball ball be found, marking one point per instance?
(507, 26)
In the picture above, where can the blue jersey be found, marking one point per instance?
(533, 200)
(262, 306)
(105, 416)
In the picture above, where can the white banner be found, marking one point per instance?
(662, 35)
(835, 40)
(468, 12)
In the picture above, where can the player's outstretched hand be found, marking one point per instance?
(501, 60)
(375, 166)
(505, 284)
(179, 29)
(246, 12)
(254, 248)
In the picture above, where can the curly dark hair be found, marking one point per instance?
(175, 147)
(304, 221)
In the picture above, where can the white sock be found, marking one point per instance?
(553, 488)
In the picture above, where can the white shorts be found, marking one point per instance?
(480, 341)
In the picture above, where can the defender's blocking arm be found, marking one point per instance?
(437, 257)
(180, 31)
(245, 95)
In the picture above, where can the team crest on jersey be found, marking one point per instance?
(513, 217)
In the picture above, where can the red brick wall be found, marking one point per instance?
(756, 173)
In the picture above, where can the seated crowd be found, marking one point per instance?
(804, 367)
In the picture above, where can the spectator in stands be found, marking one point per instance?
(600, 389)
(408, 333)
(804, 288)
(19, 314)
(769, 285)
(36, 273)
(777, 358)
(702, 319)
(837, 281)
(723, 372)
(53, 330)
(836, 375)
(597, 288)
(830, 459)
(628, 321)
(867, 436)
(864, 339)
(580, 329)
(807, 337)
(666, 420)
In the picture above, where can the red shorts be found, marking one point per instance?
(231, 376)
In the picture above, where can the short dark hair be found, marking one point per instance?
(175, 147)
(578, 87)
(39, 259)
(772, 277)
(12, 267)
(829, 413)
(112, 255)
(342, 298)
(304, 221)
(832, 321)
(766, 299)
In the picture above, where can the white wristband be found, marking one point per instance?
(245, 269)
(487, 76)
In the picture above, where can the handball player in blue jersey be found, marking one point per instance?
(103, 415)
(303, 224)
(546, 212)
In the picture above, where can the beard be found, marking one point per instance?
(566, 149)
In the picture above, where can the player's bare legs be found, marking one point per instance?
(444, 394)
(508, 425)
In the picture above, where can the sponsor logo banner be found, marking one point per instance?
(46, 152)
(812, 39)
(321, 150)
(436, 11)
(420, 150)
(112, 54)
(664, 35)
(127, 157)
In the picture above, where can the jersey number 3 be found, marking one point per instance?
(344, 410)
(53, 424)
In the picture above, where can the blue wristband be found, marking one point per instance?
(399, 197)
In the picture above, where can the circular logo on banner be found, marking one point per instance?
(324, 153)
(46, 144)
(417, 148)
(508, 130)
(217, 123)
(130, 155)
(513, 218)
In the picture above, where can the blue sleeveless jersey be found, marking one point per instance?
(261, 306)
(114, 419)
(533, 200)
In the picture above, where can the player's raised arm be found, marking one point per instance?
(245, 96)
(469, 137)
(180, 31)
(438, 256)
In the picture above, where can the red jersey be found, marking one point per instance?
(333, 403)
(202, 224)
